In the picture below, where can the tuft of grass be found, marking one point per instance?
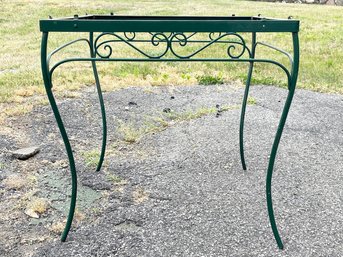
(91, 157)
(38, 205)
(251, 100)
(15, 182)
(155, 124)
(139, 195)
(196, 114)
(129, 133)
(57, 227)
(116, 180)
(2, 165)
(207, 80)
(18, 110)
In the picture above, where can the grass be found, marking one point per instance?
(91, 157)
(195, 114)
(57, 227)
(116, 180)
(321, 40)
(130, 133)
(210, 80)
(38, 205)
(251, 100)
(15, 182)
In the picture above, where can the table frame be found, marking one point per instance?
(218, 28)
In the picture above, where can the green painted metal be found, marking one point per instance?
(102, 105)
(217, 29)
(48, 87)
(293, 81)
(168, 60)
(245, 100)
(100, 23)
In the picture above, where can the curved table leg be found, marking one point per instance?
(102, 105)
(244, 104)
(48, 87)
(293, 81)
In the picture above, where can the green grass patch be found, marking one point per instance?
(251, 100)
(210, 80)
(114, 179)
(91, 158)
(321, 52)
(129, 132)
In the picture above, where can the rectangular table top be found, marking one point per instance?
(118, 23)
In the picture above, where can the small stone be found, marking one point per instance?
(45, 162)
(31, 213)
(25, 153)
(217, 106)
(132, 103)
(167, 110)
(172, 97)
(63, 164)
(126, 108)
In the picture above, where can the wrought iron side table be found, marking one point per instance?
(170, 36)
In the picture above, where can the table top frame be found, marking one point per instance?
(119, 23)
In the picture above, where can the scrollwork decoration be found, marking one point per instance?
(236, 45)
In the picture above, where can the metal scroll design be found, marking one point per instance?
(171, 43)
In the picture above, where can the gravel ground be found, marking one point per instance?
(185, 193)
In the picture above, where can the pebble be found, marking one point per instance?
(31, 213)
(25, 153)
(132, 103)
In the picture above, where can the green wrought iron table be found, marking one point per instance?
(171, 39)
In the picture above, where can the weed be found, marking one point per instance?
(251, 100)
(57, 227)
(195, 114)
(210, 80)
(115, 179)
(91, 157)
(129, 132)
(38, 205)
